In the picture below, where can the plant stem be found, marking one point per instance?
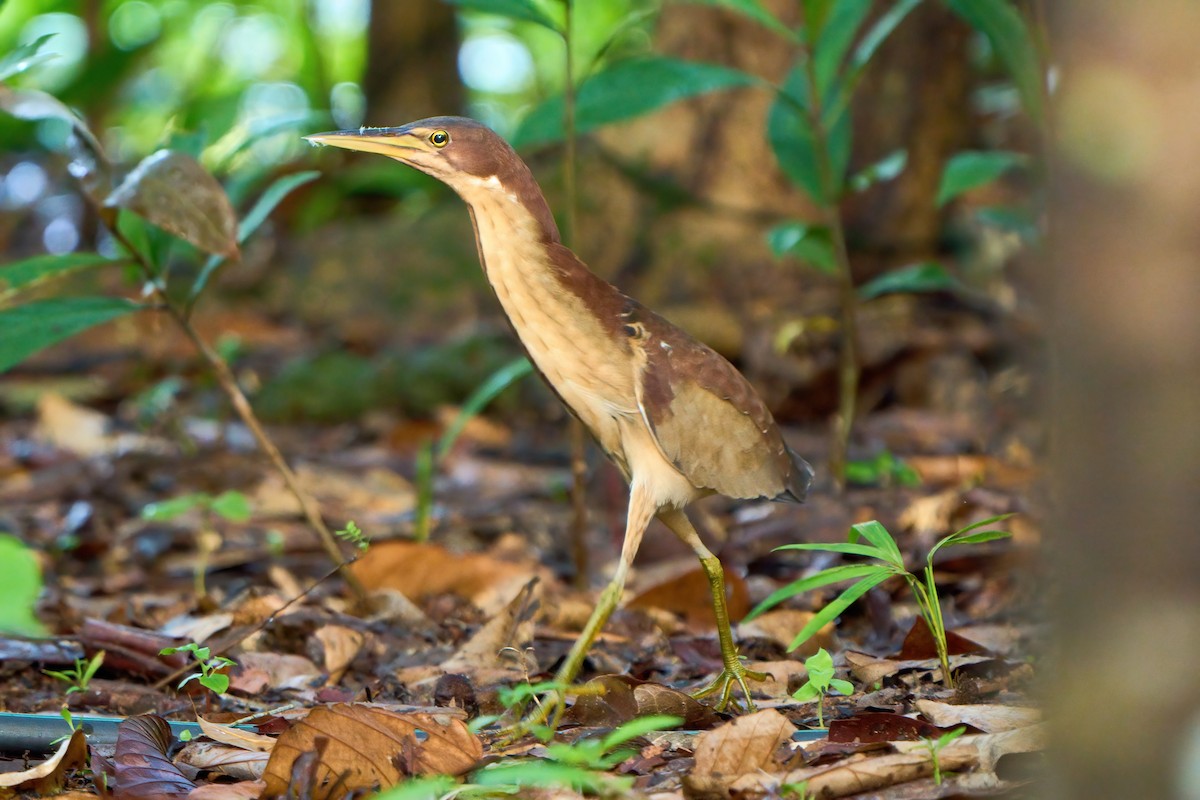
(241, 405)
(579, 549)
(848, 358)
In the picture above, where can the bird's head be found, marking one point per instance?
(464, 154)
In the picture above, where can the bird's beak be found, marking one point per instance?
(394, 142)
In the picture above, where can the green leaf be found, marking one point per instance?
(20, 588)
(876, 534)
(626, 90)
(831, 612)
(231, 505)
(885, 169)
(22, 58)
(834, 547)
(640, 727)
(791, 134)
(819, 667)
(982, 536)
(523, 10)
(838, 32)
(879, 32)
(807, 693)
(822, 578)
(925, 277)
(30, 104)
(30, 327)
(809, 243)
(543, 774)
(964, 535)
(172, 191)
(271, 198)
(845, 687)
(974, 168)
(168, 510)
(30, 272)
(216, 681)
(496, 383)
(420, 789)
(752, 9)
(1010, 37)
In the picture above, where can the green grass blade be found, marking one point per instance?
(837, 547)
(822, 578)
(874, 532)
(496, 383)
(832, 611)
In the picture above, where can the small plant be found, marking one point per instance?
(229, 505)
(820, 680)
(935, 746)
(68, 718)
(354, 535)
(78, 678)
(211, 675)
(888, 562)
(796, 791)
(516, 698)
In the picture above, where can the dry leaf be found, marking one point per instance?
(245, 765)
(236, 737)
(688, 596)
(249, 790)
(511, 628)
(744, 746)
(143, 768)
(919, 645)
(781, 626)
(367, 747)
(279, 670)
(986, 717)
(612, 700)
(341, 645)
(377, 493)
(48, 777)
(857, 775)
(868, 727)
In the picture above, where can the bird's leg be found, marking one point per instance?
(734, 671)
(641, 510)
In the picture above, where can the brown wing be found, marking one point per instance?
(707, 418)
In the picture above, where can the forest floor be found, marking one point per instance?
(335, 692)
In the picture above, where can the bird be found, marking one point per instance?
(679, 421)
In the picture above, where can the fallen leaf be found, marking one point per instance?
(781, 675)
(989, 718)
(857, 776)
(781, 626)
(143, 768)
(511, 628)
(86, 432)
(375, 494)
(280, 670)
(688, 595)
(244, 765)
(421, 570)
(746, 745)
(368, 747)
(876, 726)
(250, 790)
(612, 700)
(341, 646)
(48, 777)
(919, 644)
(236, 737)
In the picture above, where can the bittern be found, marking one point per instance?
(677, 419)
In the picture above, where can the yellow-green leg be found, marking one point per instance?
(734, 671)
(641, 510)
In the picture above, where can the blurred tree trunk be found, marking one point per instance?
(1124, 688)
(412, 61)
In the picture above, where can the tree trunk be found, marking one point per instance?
(412, 62)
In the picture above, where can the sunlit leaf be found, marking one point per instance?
(926, 277)
(973, 168)
(626, 90)
(806, 693)
(217, 682)
(30, 327)
(20, 588)
(874, 532)
(32, 271)
(23, 57)
(1010, 36)
(172, 191)
(885, 169)
(819, 667)
(752, 9)
(524, 10)
(844, 687)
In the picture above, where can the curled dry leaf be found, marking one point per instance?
(367, 747)
(341, 645)
(511, 628)
(48, 777)
(612, 700)
(244, 765)
(986, 717)
(143, 769)
(171, 190)
(747, 745)
(236, 737)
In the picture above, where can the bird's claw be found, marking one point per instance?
(734, 673)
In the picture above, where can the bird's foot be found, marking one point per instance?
(734, 674)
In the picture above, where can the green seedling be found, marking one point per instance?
(935, 747)
(78, 678)
(210, 674)
(230, 505)
(354, 535)
(820, 680)
(796, 791)
(69, 718)
(887, 562)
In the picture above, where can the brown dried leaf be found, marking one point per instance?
(688, 596)
(235, 762)
(256, 671)
(612, 700)
(341, 645)
(367, 747)
(878, 726)
(143, 769)
(171, 190)
(989, 718)
(236, 737)
(862, 775)
(246, 790)
(919, 645)
(48, 777)
(511, 628)
(744, 746)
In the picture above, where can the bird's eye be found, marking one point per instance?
(439, 138)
